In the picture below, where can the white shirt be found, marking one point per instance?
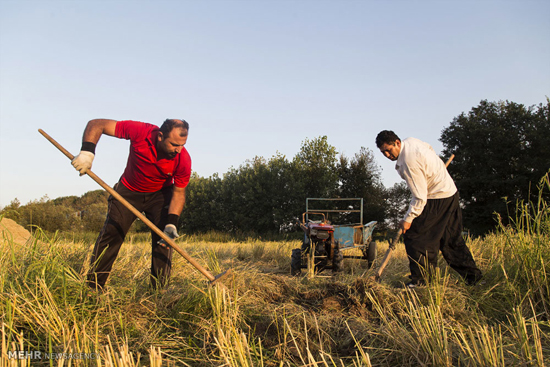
(425, 175)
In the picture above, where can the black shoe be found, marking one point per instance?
(474, 280)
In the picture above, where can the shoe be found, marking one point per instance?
(475, 280)
(476, 283)
(415, 284)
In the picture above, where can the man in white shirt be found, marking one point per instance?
(433, 221)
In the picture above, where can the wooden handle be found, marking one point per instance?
(387, 256)
(449, 160)
(137, 213)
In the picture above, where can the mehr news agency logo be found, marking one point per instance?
(38, 355)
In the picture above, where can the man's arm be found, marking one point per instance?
(178, 201)
(93, 131)
(174, 211)
(414, 176)
(98, 127)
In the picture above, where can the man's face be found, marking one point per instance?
(391, 151)
(172, 144)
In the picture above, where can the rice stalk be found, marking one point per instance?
(528, 344)
(481, 346)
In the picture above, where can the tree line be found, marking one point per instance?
(68, 213)
(500, 156)
(502, 153)
(267, 195)
(261, 196)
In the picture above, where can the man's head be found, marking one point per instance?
(172, 137)
(389, 144)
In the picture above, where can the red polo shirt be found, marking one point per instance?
(144, 171)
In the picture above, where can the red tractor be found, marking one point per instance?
(319, 250)
(324, 243)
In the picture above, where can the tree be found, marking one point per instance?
(12, 210)
(288, 201)
(360, 178)
(261, 196)
(316, 162)
(93, 217)
(397, 203)
(501, 153)
(51, 217)
(203, 209)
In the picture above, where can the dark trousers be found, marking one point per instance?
(118, 222)
(439, 228)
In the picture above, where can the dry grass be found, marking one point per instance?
(262, 316)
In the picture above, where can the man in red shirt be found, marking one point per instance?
(154, 182)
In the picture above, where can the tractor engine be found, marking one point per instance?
(320, 234)
(321, 237)
(318, 247)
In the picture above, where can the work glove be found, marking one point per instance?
(171, 231)
(83, 162)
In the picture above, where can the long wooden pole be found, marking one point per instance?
(138, 214)
(387, 256)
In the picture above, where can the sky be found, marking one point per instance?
(252, 78)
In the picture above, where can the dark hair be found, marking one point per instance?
(386, 137)
(169, 124)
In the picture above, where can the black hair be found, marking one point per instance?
(386, 137)
(169, 124)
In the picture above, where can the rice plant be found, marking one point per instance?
(260, 315)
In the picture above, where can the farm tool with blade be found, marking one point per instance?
(391, 248)
(211, 278)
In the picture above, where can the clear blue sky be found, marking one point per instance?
(253, 78)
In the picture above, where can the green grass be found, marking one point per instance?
(261, 316)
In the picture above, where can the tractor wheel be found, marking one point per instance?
(371, 254)
(337, 260)
(296, 262)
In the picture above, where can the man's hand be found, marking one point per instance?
(171, 231)
(83, 162)
(404, 226)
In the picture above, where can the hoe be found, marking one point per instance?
(386, 259)
(211, 278)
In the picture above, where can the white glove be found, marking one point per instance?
(171, 231)
(83, 162)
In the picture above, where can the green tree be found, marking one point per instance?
(316, 163)
(69, 201)
(501, 153)
(92, 197)
(397, 202)
(360, 178)
(288, 200)
(12, 210)
(203, 209)
(93, 217)
(66, 213)
(48, 215)
(261, 196)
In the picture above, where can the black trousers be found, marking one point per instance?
(116, 226)
(439, 228)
